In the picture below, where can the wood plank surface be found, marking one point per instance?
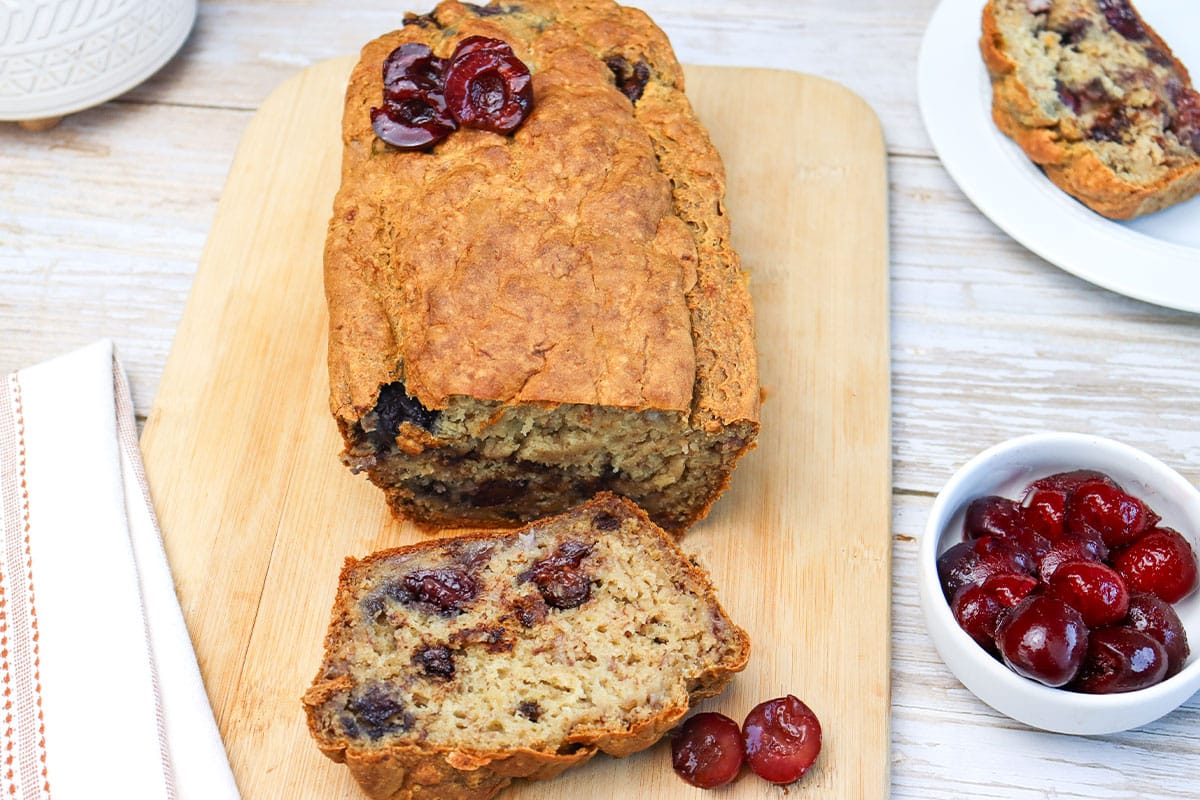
(258, 513)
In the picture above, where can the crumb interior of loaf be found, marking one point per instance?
(518, 463)
(1121, 96)
(631, 649)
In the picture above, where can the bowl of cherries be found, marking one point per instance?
(1058, 578)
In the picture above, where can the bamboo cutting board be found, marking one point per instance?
(257, 511)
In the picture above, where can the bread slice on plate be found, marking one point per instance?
(456, 665)
(1094, 96)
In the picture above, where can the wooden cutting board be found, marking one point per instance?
(257, 511)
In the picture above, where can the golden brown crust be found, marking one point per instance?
(581, 260)
(412, 770)
(517, 284)
(1059, 146)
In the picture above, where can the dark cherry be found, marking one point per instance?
(1157, 618)
(396, 406)
(1123, 19)
(476, 44)
(1095, 615)
(999, 516)
(558, 577)
(781, 738)
(1161, 562)
(1186, 122)
(981, 558)
(1070, 99)
(1109, 126)
(414, 120)
(952, 565)
(992, 515)
(979, 607)
(1066, 482)
(1044, 513)
(707, 750)
(605, 522)
(989, 555)
(977, 612)
(436, 660)
(489, 10)
(1093, 589)
(412, 66)
(1070, 548)
(1010, 588)
(1044, 639)
(1120, 659)
(1074, 31)
(530, 710)
(1045, 499)
(447, 589)
(1120, 518)
(414, 115)
(377, 709)
(630, 78)
(488, 87)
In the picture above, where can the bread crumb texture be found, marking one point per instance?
(453, 666)
(1095, 96)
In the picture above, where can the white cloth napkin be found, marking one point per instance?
(102, 696)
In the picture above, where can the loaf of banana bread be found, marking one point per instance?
(519, 320)
(1094, 96)
(456, 665)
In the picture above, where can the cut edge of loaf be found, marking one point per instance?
(399, 768)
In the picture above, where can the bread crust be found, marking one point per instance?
(1059, 147)
(414, 771)
(582, 264)
(483, 269)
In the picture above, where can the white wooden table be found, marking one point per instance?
(103, 218)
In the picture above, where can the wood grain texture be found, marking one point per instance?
(258, 513)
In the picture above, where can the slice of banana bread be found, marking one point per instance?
(518, 321)
(1092, 94)
(453, 666)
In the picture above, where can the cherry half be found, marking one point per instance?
(707, 751)
(414, 115)
(487, 86)
(782, 739)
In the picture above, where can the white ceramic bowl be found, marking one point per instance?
(1005, 470)
(62, 56)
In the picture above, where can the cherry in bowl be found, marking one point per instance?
(1115, 663)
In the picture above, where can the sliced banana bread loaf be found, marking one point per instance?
(456, 665)
(1092, 94)
(518, 321)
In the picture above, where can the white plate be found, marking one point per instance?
(1155, 258)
